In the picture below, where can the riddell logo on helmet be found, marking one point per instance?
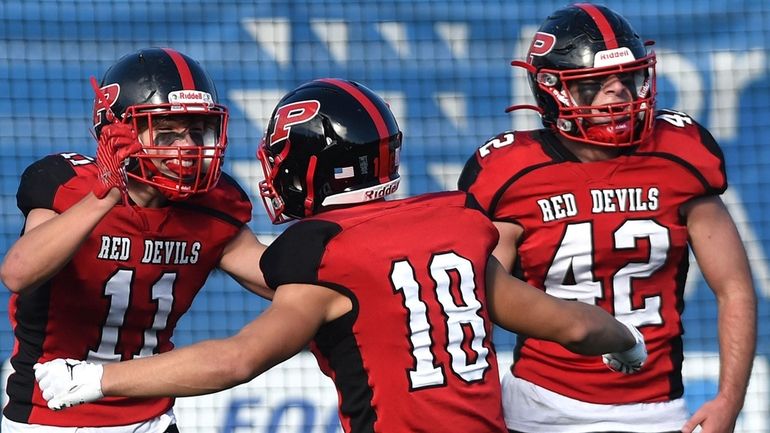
(386, 189)
(181, 97)
(615, 56)
(561, 95)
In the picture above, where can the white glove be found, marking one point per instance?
(68, 382)
(631, 360)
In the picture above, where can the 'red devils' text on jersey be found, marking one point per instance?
(121, 294)
(414, 354)
(607, 233)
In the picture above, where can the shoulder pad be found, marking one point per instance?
(680, 138)
(41, 181)
(228, 200)
(295, 255)
(499, 160)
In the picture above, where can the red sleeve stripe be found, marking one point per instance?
(188, 83)
(379, 123)
(601, 21)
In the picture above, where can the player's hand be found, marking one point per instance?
(715, 416)
(631, 360)
(117, 141)
(68, 382)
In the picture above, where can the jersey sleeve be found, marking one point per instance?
(295, 256)
(710, 162)
(478, 180)
(692, 145)
(497, 164)
(40, 182)
(240, 205)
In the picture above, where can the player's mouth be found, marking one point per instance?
(183, 168)
(610, 114)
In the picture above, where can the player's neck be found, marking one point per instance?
(589, 152)
(145, 195)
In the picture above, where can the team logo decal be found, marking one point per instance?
(111, 93)
(542, 44)
(290, 115)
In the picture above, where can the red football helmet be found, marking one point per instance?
(574, 52)
(157, 84)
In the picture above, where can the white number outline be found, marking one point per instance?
(118, 290)
(426, 371)
(676, 118)
(496, 143)
(575, 252)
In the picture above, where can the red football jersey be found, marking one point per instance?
(414, 354)
(608, 233)
(121, 294)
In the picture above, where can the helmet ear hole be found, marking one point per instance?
(296, 184)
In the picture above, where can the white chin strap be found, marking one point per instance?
(363, 195)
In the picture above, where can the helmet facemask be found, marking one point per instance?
(169, 162)
(614, 124)
(576, 55)
(172, 103)
(271, 167)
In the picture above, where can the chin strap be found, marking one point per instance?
(539, 110)
(310, 196)
(532, 70)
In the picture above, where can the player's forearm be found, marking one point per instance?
(281, 331)
(737, 343)
(596, 332)
(203, 368)
(518, 307)
(45, 249)
(712, 233)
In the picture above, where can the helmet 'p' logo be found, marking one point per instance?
(542, 44)
(290, 115)
(111, 93)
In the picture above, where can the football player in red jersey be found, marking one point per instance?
(394, 297)
(600, 206)
(114, 249)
